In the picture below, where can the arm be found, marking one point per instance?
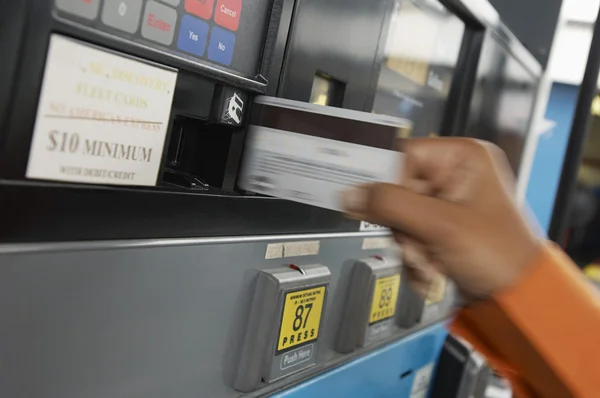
(543, 332)
(529, 310)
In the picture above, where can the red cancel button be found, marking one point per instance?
(227, 13)
(200, 8)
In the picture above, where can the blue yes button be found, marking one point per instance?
(193, 33)
(220, 48)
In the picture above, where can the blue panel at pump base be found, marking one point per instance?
(550, 153)
(377, 374)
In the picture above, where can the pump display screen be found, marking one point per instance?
(503, 99)
(224, 33)
(420, 56)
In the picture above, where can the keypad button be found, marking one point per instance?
(200, 8)
(220, 48)
(227, 13)
(87, 9)
(159, 23)
(193, 34)
(174, 3)
(122, 14)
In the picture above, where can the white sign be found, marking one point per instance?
(367, 226)
(376, 243)
(274, 250)
(308, 248)
(421, 381)
(498, 392)
(102, 118)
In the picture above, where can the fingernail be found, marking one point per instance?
(354, 200)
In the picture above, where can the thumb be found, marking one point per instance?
(420, 216)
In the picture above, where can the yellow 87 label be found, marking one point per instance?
(385, 297)
(301, 317)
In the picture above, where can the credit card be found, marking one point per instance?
(320, 153)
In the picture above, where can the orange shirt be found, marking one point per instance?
(543, 333)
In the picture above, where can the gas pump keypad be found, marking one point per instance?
(200, 8)
(122, 14)
(202, 28)
(227, 13)
(159, 23)
(174, 3)
(220, 48)
(193, 35)
(87, 9)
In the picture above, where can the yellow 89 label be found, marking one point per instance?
(385, 297)
(301, 317)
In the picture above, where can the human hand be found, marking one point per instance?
(454, 213)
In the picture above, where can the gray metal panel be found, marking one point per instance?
(533, 22)
(410, 305)
(144, 321)
(279, 53)
(355, 305)
(503, 99)
(339, 38)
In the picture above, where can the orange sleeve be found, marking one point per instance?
(543, 333)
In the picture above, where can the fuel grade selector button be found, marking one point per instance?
(371, 304)
(282, 334)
